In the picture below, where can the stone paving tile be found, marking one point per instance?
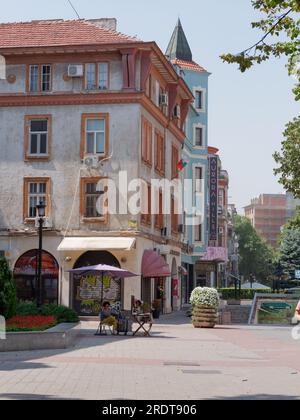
(177, 362)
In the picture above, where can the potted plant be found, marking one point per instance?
(146, 308)
(205, 302)
(156, 308)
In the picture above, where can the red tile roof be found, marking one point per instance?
(58, 33)
(189, 65)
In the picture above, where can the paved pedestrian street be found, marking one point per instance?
(177, 362)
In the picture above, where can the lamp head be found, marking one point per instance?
(41, 210)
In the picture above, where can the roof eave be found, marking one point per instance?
(50, 49)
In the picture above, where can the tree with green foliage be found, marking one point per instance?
(281, 37)
(290, 250)
(8, 296)
(294, 223)
(256, 256)
(289, 158)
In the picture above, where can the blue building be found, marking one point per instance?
(196, 272)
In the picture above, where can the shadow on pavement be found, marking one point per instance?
(14, 365)
(34, 397)
(258, 397)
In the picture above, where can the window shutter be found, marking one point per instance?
(175, 160)
(156, 151)
(143, 203)
(144, 140)
(150, 143)
(149, 205)
(162, 155)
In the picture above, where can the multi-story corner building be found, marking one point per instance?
(80, 104)
(269, 213)
(204, 252)
(195, 155)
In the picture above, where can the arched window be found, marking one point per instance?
(25, 275)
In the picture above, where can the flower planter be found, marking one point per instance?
(204, 317)
(205, 301)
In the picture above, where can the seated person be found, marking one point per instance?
(105, 311)
(139, 310)
(107, 317)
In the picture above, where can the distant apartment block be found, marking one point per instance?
(269, 213)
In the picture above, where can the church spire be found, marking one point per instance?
(178, 46)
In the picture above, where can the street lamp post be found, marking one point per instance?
(41, 211)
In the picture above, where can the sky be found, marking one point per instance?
(247, 112)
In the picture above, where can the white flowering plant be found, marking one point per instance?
(205, 296)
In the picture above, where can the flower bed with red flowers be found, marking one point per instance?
(30, 323)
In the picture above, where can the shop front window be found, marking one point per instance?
(25, 275)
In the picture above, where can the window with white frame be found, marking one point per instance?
(96, 76)
(198, 233)
(103, 76)
(92, 195)
(46, 78)
(198, 180)
(90, 76)
(34, 78)
(199, 99)
(95, 136)
(40, 78)
(199, 136)
(38, 137)
(93, 200)
(37, 193)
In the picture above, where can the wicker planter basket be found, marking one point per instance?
(204, 317)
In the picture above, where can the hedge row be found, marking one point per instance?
(61, 313)
(244, 294)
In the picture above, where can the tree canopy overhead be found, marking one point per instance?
(288, 159)
(281, 21)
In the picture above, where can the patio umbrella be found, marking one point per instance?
(103, 270)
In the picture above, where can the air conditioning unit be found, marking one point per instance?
(177, 112)
(91, 161)
(48, 223)
(164, 99)
(75, 70)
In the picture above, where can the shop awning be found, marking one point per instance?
(216, 254)
(97, 244)
(153, 265)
